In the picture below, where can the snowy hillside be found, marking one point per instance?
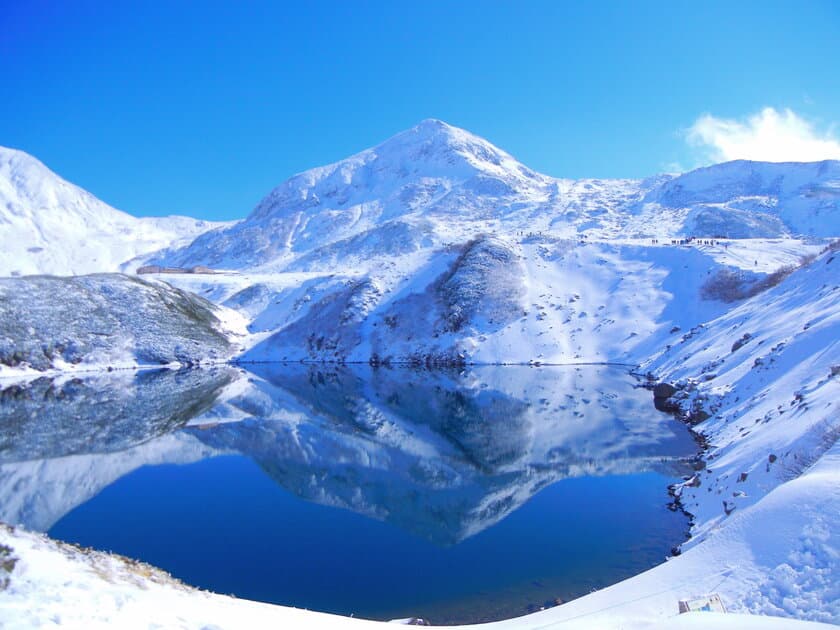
(493, 300)
(106, 320)
(769, 368)
(50, 226)
(336, 263)
(505, 264)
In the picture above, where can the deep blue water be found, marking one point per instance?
(350, 492)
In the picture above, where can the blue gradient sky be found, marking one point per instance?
(201, 108)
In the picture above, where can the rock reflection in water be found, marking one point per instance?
(63, 440)
(49, 417)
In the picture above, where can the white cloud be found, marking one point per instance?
(769, 135)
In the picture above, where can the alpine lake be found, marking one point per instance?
(457, 496)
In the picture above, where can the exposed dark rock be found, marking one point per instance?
(697, 416)
(741, 342)
(666, 404)
(664, 390)
(7, 565)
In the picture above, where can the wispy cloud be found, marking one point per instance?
(770, 136)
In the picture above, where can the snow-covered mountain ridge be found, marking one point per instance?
(444, 184)
(426, 187)
(505, 264)
(48, 225)
(744, 199)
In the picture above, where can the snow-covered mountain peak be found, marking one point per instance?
(430, 131)
(432, 126)
(434, 141)
(434, 185)
(417, 186)
(432, 154)
(16, 161)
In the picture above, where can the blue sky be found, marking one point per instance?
(201, 108)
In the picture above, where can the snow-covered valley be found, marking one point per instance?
(433, 249)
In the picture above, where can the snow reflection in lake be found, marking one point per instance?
(456, 496)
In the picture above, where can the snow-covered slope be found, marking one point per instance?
(50, 226)
(769, 369)
(493, 300)
(107, 320)
(763, 383)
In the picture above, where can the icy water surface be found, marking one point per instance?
(455, 496)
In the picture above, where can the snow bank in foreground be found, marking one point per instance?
(56, 584)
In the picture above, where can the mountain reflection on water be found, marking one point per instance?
(441, 455)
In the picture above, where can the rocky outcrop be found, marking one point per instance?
(663, 394)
